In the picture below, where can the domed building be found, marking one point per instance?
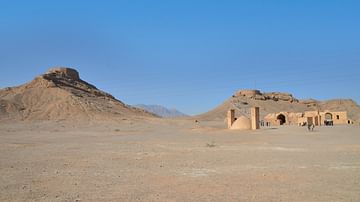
(241, 123)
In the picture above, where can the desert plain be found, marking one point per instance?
(152, 159)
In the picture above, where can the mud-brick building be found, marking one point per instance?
(308, 117)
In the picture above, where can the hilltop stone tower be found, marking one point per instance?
(65, 72)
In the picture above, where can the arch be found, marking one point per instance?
(281, 118)
(328, 119)
(328, 116)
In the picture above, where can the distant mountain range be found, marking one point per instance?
(161, 110)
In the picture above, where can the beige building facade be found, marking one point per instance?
(308, 117)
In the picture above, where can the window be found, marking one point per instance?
(337, 117)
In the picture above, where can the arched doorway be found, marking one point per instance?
(328, 116)
(328, 119)
(281, 118)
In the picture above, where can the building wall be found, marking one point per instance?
(337, 117)
(315, 117)
(272, 118)
(255, 118)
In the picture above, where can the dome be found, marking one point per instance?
(241, 123)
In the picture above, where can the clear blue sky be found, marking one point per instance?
(191, 55)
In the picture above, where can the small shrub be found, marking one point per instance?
(212, 144)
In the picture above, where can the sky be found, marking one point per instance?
(188, 54)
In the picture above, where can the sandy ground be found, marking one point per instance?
(177, 161)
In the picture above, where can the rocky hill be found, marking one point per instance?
(274, 102)
(161, 111)
(60, 94)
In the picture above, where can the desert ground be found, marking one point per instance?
(177, 160)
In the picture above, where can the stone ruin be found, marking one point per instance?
(68, 78)
(242, 122)
(64, 72)
(317, 118)
(257, 95)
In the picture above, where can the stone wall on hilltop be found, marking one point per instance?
(257, 95)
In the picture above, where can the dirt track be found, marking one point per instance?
(177, 161)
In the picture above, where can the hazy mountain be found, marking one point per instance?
(161, 111)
